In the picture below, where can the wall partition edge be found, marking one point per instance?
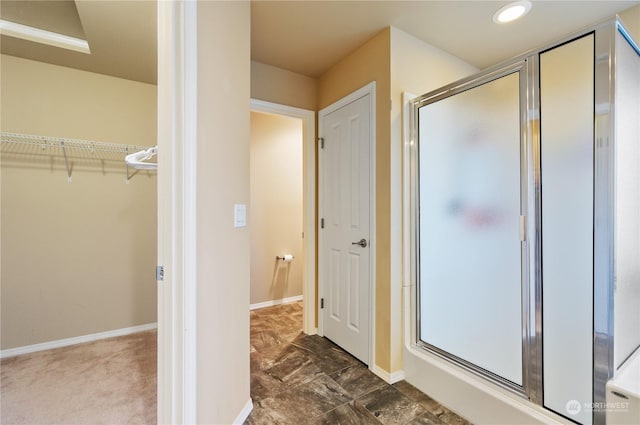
(604, 204)
(532, 255)
(177, 110)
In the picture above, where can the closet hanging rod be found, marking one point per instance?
(64, 143)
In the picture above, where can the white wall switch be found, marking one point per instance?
(239, 215)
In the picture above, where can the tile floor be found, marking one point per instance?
(302, 379)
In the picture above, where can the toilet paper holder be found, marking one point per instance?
(286, 257)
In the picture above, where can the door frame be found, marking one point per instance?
(177, 142)
(529, 238)
(369, 89)
(308, 203)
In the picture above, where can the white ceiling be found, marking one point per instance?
(306, 37)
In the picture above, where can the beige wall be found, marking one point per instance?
(371, 62)
(79, 257)
(222, 180)
(283, 87)
(275, 212)
(631, 19)
(416, 68)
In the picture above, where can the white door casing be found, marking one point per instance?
(177, 142)
(346, 183)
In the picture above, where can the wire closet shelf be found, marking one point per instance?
(70, 151)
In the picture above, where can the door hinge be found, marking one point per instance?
(159, 273)
(322, 223)
(321, 302)
(321, 140)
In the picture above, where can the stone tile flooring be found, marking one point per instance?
(302, 379)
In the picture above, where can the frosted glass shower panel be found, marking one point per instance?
(469, 240)
(567, 107)
(627, 294)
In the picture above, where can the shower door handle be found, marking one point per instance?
(362, 242)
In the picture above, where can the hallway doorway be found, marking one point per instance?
(275, 210)
(282, 209)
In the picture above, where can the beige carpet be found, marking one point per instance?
(111, 381)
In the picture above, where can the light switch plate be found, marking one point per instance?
(239, 215)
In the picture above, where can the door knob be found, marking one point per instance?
(362, 242)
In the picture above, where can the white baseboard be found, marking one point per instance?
(244, 413)
(389, 378)
(10, 352)
(275, 302)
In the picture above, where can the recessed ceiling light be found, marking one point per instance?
(37, 35)
(512, 11)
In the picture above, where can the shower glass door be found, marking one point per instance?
(470, 226)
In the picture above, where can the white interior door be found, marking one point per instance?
(345, 251)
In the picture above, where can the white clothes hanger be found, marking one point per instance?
(136, 160)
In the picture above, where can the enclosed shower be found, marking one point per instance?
(525, 188)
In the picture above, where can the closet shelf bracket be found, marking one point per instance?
(129, 176)
(66, 161)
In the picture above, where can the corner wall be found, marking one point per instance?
(222, 180)
(631, 19)
(77, 258)
(275, 211)
(371, 62)
(416, 68)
